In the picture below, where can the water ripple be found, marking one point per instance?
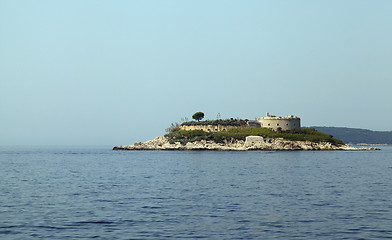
(80, 194)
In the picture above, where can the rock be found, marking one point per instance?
(251, 143)
(255, 142)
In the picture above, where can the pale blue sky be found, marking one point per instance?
(115, 72)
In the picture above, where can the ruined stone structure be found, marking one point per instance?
(207, 128)
(284, 123)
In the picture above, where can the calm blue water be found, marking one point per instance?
(92, 192)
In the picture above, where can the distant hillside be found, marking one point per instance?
(357, 135)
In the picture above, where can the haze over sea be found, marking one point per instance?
(99, 72)
(93, 192)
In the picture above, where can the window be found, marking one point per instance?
(277, 124)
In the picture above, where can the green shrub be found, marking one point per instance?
(305, 134)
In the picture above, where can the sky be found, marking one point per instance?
(97, 72)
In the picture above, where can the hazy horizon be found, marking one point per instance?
(115, 72)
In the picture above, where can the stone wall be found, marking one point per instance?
(285, 123)
(207, 128)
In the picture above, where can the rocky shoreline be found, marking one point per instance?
(251, 143)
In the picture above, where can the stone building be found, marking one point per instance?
(284, 123)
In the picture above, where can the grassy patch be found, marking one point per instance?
(305, 134)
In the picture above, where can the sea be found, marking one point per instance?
(92, 192)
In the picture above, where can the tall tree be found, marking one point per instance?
(198, 116)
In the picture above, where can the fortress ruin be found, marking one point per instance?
(289, 122)
(284, 123)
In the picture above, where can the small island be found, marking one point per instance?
(270, 133)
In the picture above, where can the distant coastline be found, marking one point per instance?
(357, 136)
(370, 144)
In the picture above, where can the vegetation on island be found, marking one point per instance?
(175, 134)
(304, 134)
